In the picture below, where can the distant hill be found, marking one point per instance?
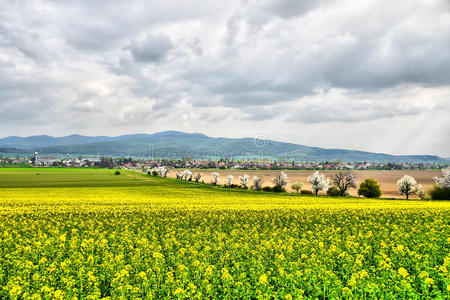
(175, 144)
(13, 150)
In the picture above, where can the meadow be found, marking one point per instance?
(88, 234)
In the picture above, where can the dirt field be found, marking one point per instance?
(386, 179)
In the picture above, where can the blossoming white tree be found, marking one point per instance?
(318, 182)
(153, 171)
(215, 177)
(443, 182)
(197, 177)
(421, 192)
(243, 180)
(407, 185)
(280, 182)
(229, 180)
(159, 170)
(257, 183)
(162, 171)
(187, 175)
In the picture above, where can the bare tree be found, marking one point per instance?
(257, 183)
(229, 180)
(198, 177)
(344, 180)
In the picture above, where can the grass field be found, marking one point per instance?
(90, 234)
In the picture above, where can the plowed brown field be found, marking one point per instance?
(386, 179)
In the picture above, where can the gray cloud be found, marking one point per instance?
(287, 8)
(153, 48)
(339, 106)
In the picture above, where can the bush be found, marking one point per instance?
(155, 173)
(369, 188)
(279, 189)
(116, 173)
(232, 186)
(439, 193)
(333, 191)
(267, 189)
(306, 192)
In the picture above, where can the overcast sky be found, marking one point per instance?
(367, 75)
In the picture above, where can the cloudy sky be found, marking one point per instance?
(367, 75)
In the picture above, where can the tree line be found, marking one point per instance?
(337, 184)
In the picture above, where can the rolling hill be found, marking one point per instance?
(175, 144)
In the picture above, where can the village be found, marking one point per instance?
(186, 162)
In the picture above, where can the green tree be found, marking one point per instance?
(369, 188)
(439, 193)
(297, 186)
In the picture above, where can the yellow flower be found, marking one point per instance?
(226, 275)
(423, 274)
(363, 274)
(62, 238)
(209, 270)
(402, 271)
(429, 281)
(352, 280)
(58, 294)
(15, 291)
(178, 291)
(157, 255)
(346, 290)
(263, 279)
(281, 256)
(400, 248)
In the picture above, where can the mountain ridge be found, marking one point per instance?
(175, 144)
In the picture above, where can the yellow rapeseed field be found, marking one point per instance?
(181, 240)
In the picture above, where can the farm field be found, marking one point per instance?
(386, 178)
(90, 234)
